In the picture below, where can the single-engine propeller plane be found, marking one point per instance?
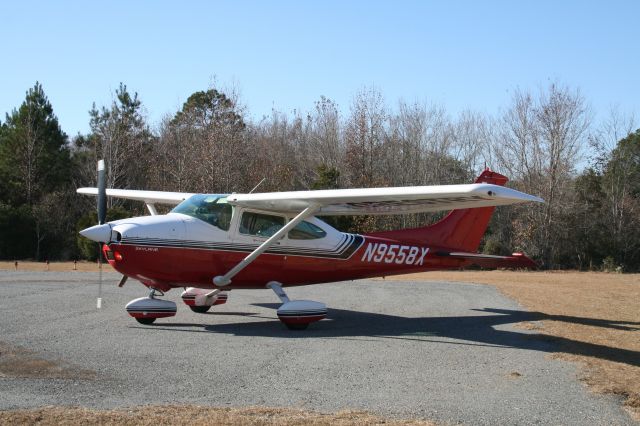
(212, 243)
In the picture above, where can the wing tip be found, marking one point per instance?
(522, 197)
(528, 197)
(87, 191)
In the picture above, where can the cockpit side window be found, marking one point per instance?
(306, 231)
(212, 209)
(262, 225)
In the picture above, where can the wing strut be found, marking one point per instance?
(223, 280)
(152, 209)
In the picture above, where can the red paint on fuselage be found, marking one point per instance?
(166, 267)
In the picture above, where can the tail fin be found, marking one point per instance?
(459, 230)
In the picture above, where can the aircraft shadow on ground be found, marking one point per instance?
(484, 329)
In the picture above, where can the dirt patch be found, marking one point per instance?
(54, 266)
(594, 317)
(194, 415)
(19, 362)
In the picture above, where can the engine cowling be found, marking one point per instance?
(193, 296)
(146, 307)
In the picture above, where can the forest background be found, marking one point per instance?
(544, 140)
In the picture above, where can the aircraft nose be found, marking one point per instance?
(98, 233)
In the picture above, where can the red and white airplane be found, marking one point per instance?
(212, 243)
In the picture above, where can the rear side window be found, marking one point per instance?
(262, 225)
(306, 231)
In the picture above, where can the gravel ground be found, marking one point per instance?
(442, 351)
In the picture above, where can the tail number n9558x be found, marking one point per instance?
(394, 253)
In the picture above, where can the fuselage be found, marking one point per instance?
(178, 250)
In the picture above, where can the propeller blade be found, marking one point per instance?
(100, 232)
(123, 280)
(102, 193)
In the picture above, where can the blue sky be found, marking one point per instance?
(461, 54)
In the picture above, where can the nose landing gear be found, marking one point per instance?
(146, 309)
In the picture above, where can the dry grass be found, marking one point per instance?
(194, 415)
(27, 265)
(595, 318)
(19, 362)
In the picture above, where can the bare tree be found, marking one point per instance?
(616, 126)
(326, 140)
(200, 145)
(364, 135)
(617, 163)
(472, 134)
(540, 143)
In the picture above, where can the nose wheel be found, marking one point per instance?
(297, 314)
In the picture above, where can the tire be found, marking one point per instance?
(297, 326)
(145, 321)
(200, 309)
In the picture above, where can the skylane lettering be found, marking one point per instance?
(394, 253)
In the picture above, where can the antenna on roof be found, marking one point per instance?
(259, 183)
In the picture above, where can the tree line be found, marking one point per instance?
(545, 141)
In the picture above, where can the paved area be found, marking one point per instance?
(441, 351)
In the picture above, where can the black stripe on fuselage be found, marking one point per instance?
(349, 244)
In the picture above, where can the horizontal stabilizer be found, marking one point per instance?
(515, 261)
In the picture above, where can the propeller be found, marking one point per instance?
(101, 233)
(102, 217)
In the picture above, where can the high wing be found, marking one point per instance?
(149, 197)
(375, 201)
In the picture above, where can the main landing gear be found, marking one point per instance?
(297, 314)
(146, 309)
(200, 300)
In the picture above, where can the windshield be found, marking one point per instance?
(212, 209)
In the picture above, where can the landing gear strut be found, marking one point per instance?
(297, 314)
